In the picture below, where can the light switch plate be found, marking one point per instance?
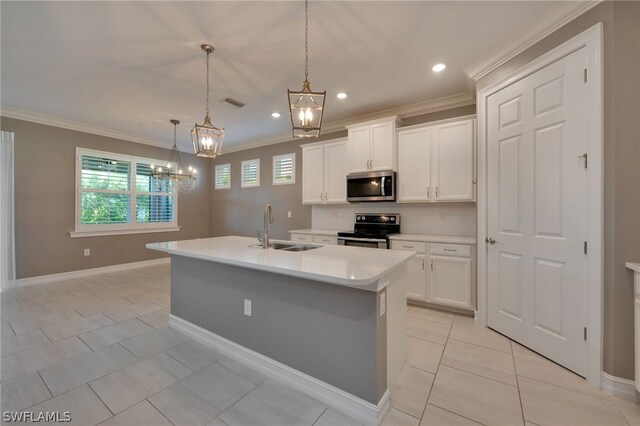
(383, 304)
(87, 252)
(247, 307)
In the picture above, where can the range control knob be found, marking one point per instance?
(393, 219)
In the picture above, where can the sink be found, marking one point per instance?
(292, 247)
(289, 247)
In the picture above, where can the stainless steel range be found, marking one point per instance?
(371, 230)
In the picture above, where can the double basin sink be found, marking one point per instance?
(292, 247)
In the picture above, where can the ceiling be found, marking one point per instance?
(131, 66)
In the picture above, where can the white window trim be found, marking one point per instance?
(125, 228)
(244, 184)
(293, 167)
(215, 176)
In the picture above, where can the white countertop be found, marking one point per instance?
(433, 238)
(330, 232)
(348, 266)
(633, 266)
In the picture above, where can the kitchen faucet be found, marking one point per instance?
(268, 219)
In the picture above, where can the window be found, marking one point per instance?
(284, 169)
(222, 176)
(250, 171)
(116, 194)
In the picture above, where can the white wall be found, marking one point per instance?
(455, 219)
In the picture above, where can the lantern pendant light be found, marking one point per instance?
(207, 139)
(183, 182)
(306, 107)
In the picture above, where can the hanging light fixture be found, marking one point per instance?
(207, 139)
(172, 172)
(306, 106)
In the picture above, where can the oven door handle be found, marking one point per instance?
(364, 240)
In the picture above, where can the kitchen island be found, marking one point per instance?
(329, 321)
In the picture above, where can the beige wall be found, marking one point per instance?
(239, 211)
(45, 203)
(621, 22)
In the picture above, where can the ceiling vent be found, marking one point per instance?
(232, 102)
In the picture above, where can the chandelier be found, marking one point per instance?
(306, 106)
(207, 139)
(173, 173)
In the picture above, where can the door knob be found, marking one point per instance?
(490, 241)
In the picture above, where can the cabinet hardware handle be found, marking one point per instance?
(321, 197)
(423, 264)
(407, 246)
(436, 192)
(450, 249)
(490, 241)
(326, 196)
(432, 265)
(429, 192)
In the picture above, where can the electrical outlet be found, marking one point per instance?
(289, 214)
(87, 252)
(247, 307)
(383, 304)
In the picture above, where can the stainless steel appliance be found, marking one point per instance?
(371, 186)
(371, 230)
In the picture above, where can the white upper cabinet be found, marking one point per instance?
(453, 158)
(436, 162)
(312, 174)
(414, 173)
(372, 145)
(324, 173)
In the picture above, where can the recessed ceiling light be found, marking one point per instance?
(341, 95)
(275, 114)
(439, 67)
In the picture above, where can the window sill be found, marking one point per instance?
(80, 234)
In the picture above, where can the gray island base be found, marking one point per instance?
(341, 344)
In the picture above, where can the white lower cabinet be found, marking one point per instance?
(440, 273)
(302, 238)
(417, 283)
(450, 281)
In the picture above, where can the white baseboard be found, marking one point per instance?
(617, 386)
(43, 279)
(352, 406)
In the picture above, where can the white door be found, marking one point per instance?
(358, 141)
(450, 281)
(336, 167)
(453, 159)
(312, 174)
(382, 146)
(537, 198)
(414, 166)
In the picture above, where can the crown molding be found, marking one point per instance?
(413, 110)
(530, 36)
(48, 120)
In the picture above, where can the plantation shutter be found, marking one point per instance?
(284, 170)
(222, 179)
(250, 173)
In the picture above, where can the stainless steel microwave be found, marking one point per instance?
(371, 186)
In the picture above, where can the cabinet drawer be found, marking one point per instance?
(303, 238)
(324, 239)
(450, 250)
(416, 246)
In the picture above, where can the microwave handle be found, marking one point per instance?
(382, 184)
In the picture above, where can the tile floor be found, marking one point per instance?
(100, 348)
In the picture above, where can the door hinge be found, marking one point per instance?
(585, 75)
(585, 333)
(586, 249)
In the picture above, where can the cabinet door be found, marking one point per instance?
(312, 175)
(382, 146)
(414, 166)
(336, 166)
(358, 142)
(450, 281)
(417, 278)
(453, 159)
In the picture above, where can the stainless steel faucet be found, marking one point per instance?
(268, 219)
